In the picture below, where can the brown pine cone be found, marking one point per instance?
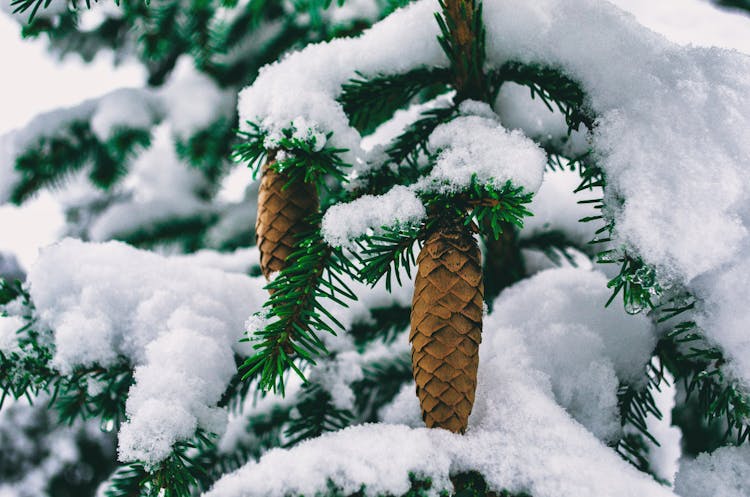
(446, 327)
(282, 217)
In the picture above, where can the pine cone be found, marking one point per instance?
(446, 327)
(283, 211)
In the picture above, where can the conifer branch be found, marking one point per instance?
(382, 381)
(371, 101)
(692, 360)
(392, 250)
(636, 281)
(389, 322)
(315, 414)
(50, 161)
(313, 272)
(26, 370)
(301, 155)
(552, 86)
(21, 6)
(176, 476)
(555, 245)
(388, 253)
(410, 144)
(297, 311)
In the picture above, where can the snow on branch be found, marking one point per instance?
(179, 324)
(530, 384)
(101, 132)
(306, 83)
(668, 128)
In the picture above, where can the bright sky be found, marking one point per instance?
(34, 82)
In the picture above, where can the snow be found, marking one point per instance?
(178, 320)
(664, 458)
(179, 325)
(192, 100)
(305, 83)
(724, 313)
(583, 346)
(118, 109)
(159, 188)
(478, 148)
(343, 224)
(15, 143)
(722, 473)
(556, 208)
(680, 110)
(469, 148)
(239, 261)
(124, 108)
(519, 438)
(235, 218)
(672, 139)
(697, 22)
(132, 108)
(9, 325)
(373, 143)
(518, 110)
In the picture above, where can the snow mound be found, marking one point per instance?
(178, 322)
(479, 148)
(344, 223)
(520, 437)
(722, 473)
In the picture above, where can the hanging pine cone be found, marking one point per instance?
(446, 327)
(283, 210)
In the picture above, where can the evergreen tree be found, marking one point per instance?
(456, 201)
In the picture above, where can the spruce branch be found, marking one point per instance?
(555, 245)
(634, 449)
(71, 397)
(637, 281)
(52, 160)
(208, 149)
(186, 232)
(392, 249)
(26, 370)
(552, 86)
(698, 364)
(386, 254)
(482, 203)
(410, 144)
(297, 310)
(371, 101)
(315, 414)
(21, 6)
(636, 404)
(383, 325)
(176, 476)
(300, 154)
(382, 381)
